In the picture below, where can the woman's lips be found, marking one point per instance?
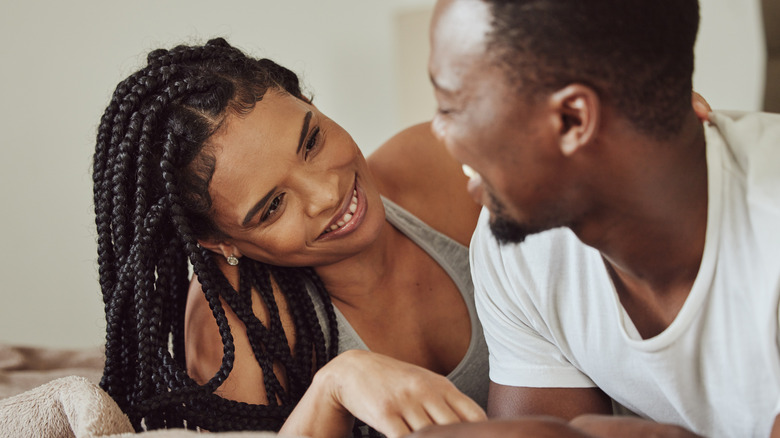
(349, 217)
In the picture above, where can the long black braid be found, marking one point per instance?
(152, 167)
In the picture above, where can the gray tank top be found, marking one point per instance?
(471, 374)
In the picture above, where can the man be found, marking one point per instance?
(635, 254)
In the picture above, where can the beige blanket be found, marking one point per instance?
(54, 394)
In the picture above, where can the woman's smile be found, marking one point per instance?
(349, 217)
(291, 188)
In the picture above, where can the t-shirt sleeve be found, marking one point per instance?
(520, 355)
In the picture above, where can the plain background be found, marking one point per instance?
(364, 60)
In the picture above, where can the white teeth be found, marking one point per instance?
(468, 171)
(347, 216)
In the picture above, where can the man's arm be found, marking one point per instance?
(566, 403)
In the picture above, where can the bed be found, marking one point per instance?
(46, 392)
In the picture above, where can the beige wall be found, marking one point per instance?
(363, 59)
(61, 61)
(731, 54)
(415, 93)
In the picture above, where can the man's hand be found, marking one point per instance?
(392, 396)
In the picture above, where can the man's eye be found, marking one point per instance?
(273, 208)
(313, 140)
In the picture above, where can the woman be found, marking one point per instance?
(300, 248)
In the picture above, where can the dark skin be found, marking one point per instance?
(400, 301)
(589, 426)
(641, 202)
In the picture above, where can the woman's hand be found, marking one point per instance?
(392, 396)
(700, 107)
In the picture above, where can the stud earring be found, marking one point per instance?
(232, 260)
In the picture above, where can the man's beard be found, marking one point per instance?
(505, 229)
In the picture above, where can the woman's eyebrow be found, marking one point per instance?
(260, 204)
(304, 130)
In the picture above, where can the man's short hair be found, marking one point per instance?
(636, 54)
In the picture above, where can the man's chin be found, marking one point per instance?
(507, 231)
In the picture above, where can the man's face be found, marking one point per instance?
(485, 123)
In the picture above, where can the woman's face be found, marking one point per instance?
(290, 186)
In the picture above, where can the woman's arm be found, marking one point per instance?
(392, 396)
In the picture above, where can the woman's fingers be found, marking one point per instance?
(393, 427)
(443, 413)
(467, 409)
(700, 107)
(449, 407)
(417, 416)
(395, 397)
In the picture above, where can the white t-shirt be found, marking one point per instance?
(552, 317)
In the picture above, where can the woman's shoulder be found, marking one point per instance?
(414, 170)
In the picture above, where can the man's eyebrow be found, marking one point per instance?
(260, 204)
(304, 130)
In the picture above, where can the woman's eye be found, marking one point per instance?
(312, 143)
(273, 208)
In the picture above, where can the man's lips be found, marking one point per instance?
(474, 186)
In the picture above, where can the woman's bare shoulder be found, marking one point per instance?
(414, 170)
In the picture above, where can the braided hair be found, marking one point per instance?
(152, 167)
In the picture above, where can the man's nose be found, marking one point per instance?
(438, 128)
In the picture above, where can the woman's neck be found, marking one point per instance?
(354, 279)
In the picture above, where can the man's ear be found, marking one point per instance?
(221, 247)
(578, 108)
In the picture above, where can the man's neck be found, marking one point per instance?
(649, 217)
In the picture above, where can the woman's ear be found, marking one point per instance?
(221, 247)
(578, 107)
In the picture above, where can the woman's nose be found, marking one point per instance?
(322, 194)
